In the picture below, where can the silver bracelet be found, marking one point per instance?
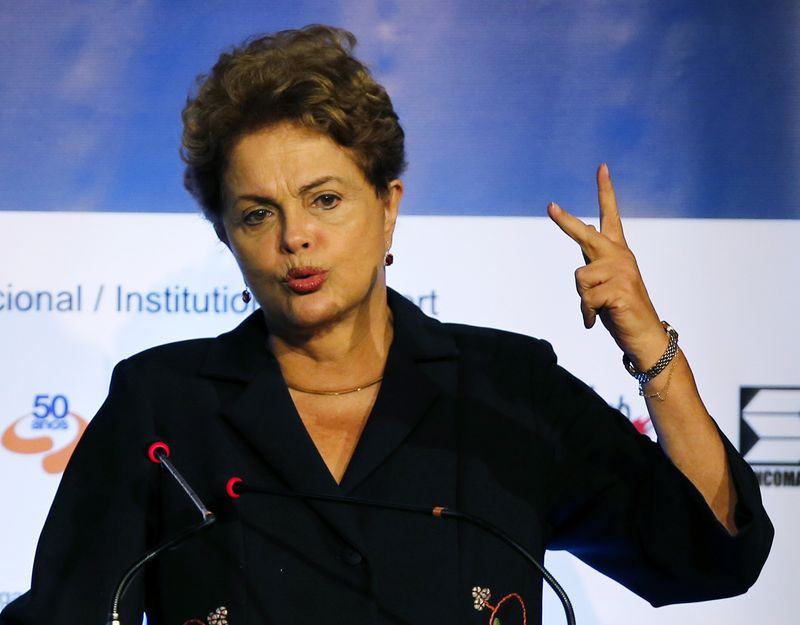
(643, 377)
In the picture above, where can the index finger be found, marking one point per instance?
(583, 234)
(610, 221)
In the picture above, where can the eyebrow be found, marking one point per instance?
(319, 182)
(265, 199)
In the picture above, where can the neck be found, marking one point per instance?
(345, 354)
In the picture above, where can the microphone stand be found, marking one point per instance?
(236, 487)
(159, 453)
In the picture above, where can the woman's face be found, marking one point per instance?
(306, 228)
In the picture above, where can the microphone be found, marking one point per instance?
(236, 487)
(159, 453)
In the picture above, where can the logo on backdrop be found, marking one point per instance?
(50, 430)
(769, 433)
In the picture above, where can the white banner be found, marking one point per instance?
(80, 291)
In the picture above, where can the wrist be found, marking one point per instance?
(648, 349)
(643, 376)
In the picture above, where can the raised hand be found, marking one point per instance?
(610, 284)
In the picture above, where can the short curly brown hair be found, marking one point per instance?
(307, 76)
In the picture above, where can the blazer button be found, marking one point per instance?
(351, 556)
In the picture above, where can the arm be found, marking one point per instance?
(611, 286)
(623, 507)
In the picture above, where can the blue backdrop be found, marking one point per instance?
(506, 104)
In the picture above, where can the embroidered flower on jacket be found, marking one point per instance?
(480, 596)
(480, 601)
(217, 617)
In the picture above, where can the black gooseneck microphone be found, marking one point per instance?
(159, 452)
(236, 487)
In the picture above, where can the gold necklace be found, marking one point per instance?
(346, 391)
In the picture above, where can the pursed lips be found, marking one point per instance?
(304, 280)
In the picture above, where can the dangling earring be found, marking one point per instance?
(388, 257)
(246, 295)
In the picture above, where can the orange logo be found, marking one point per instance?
(40, 442)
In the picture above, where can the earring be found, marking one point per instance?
(388, 259)
(246, 295)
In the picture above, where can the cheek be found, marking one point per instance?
(252, 257)
(371, 246)
(239, 254)
(376, 232)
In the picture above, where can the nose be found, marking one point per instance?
(296, 231)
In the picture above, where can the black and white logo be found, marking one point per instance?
(769, 425)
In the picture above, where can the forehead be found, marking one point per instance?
(287, 155)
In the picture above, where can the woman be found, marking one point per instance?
(339, 386)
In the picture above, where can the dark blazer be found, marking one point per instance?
(474, 419)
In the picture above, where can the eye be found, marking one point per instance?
(255, 217)
(327, 201)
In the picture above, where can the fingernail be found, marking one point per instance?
(554, 207)
(608, 172)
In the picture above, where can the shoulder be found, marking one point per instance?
(430, 338)
(501, 363)
(169, 366)
(236, 354)
(498, 342)
(155, 380)
(177, 356)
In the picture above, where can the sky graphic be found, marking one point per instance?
(506, 104)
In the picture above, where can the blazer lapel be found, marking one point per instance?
(265, 417)
(420, 368)
(268, 421)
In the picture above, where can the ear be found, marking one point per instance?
(390, 209)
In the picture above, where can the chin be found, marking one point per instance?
(311, 311)
(317, 310)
